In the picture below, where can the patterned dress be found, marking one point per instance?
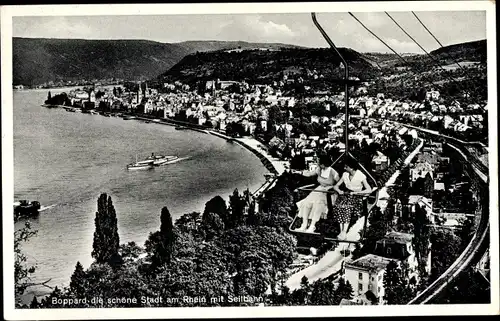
(315, 205)
(349, 207)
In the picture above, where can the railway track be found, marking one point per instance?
(458, 143)
(480, 241)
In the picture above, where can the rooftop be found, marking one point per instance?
(439, 186)
(398, 237)
(415, 199)
(349, 302)
(370, 262)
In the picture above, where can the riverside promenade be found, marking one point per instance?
(274, 165)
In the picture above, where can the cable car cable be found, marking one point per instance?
(428, 54)
(401, 58)
(346, 75)
(397, 54)
(409, 36)
(423, 25)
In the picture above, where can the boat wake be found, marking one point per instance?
(178, 160)
(43, 208)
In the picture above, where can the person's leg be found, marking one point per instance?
(318, 211)
(343, 231)
(305, 210)
(312, 227)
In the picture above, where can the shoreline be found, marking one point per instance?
(258, 188)
(273, 165)
(276, 167)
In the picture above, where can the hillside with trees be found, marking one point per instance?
(265, 66)
(321, 70)
(40, 60)
(458, 71)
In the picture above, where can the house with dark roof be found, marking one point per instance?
(399, 246)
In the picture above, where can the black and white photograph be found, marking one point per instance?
(279, 159)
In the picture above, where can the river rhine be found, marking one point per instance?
(65, 160)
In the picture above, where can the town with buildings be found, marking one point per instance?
(295, 131)
(311, 158)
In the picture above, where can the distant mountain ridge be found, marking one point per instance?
(40, 60)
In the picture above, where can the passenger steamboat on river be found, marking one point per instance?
(152, 161)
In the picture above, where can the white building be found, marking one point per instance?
(423, 202)
(263, 125)
(367, 274)
(432, 95)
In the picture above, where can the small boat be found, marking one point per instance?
(145, 164)
(156, 120)
(128, 117)
(93, 112)
(159, 160)
(23, 208)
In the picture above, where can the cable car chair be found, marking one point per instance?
(320, 237)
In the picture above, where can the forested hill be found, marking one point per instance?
(472, 51)
(268, 65)
(39, 60)
(467, 52)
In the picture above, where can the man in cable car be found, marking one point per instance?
(315, 206)
(349, 203)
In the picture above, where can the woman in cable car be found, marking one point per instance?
(349, 203)
(315, 206)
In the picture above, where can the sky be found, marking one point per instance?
(449, 27)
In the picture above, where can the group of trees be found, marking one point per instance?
(61, 99)
(320, 292)
(228, 250)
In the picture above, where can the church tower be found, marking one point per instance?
(139, 94)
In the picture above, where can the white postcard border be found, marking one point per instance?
(145, 9)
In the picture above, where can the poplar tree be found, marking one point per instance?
(167, 232)
(106, 239)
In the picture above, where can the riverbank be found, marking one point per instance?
(87, 156)
(274, 165)
(55, 106)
